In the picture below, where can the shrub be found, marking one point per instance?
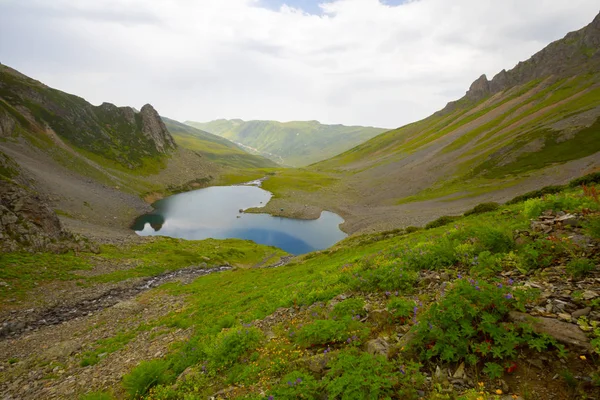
(543, 252)
(411, 229)
(380, 273)
(485, 238)
(441, 221)
(401, 308)
(349, 308)
(229, 345)
(486, 264)
(469, 323)
(327, 331)
(297, 385)
(355, 376)
(537, 193)
(586, 180)
(431, 255)
(579, 267)
(482, 208)
(146, 375)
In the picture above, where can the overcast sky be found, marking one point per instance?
(368, 62)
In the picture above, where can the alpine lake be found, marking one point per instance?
(217, 212)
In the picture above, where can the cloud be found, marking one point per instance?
(370, 62)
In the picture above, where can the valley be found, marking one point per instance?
(467, 265)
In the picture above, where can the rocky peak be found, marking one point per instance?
(154, 128)
(479, 89)
(577, 53)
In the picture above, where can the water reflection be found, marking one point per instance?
(214, 213)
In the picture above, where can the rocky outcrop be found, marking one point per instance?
(577, 53)
(117, 133)
(154, 129)
(26, 220)
(7, 123)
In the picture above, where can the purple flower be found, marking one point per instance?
(290, 383)
(349, 340)
(508, 296)
(299, 380)
(396, 293)
(388, 294)
(402, 370)
(459, 276)
(354, 337)
(500, 285)
(510, 281)
(271, 398)
(477, 287)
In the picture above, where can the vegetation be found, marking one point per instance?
(297, 143)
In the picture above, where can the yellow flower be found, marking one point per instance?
(498, 391)
(583, 358)
(480, 384)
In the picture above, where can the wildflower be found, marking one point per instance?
(459, 276)
(510, 281)
(498, 391)
(299, 380)
(402, 370)
(508, 296)
(271, 397)
(290, 383)
(388, 294)
(349, 341)
(583, 358)
(500, 286)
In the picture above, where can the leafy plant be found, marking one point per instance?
(355, 375)
(579, 267)
(327, 331)
(146, 375)
(297, 385)
(229, 345)
(401, 308)
(469, 323)
(349, 308)
(380, 273)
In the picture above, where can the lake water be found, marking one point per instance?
(214, 213)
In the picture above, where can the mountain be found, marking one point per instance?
(214, 147)
(534, 125)
(94, 164)
(297, 143)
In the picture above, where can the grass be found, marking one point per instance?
(353, 266)
(285, 180)
(25, 271)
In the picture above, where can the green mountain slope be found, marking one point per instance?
(96, 163)
(534, 125)
(296, 143)
(213, 147)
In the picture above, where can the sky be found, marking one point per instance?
(355, 62)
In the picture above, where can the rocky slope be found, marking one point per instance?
(296, 143)
(95, 164)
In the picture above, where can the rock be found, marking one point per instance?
(589, 294)
(406, 338)
(581, 313)
(316, 364)
(562, 331)
(569, 220)
(62, 349)
(460, 372)
(378, 346)
(154, 128)
(564, 317)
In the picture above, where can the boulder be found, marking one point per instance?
(563, 332)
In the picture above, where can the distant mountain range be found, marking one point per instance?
(297, 143)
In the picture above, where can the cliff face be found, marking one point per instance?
(577, 53)
(117, 133)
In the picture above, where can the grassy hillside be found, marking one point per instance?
(296, 143)
(214, 148)
(531, 126)
(410, 314)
